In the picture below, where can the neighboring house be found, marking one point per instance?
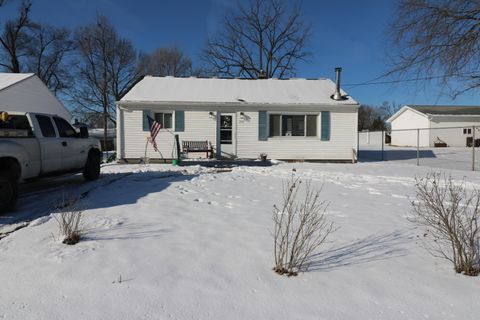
(432, 120)
(99, 134)
(286, 119)
(25, 92)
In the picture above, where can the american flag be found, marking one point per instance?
(154, 129)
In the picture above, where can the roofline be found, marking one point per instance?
(53, 95)
(452, 115)
(133, 84)
(402, 110)
(17, 82)
(128, 103)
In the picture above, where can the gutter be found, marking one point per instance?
(230, 104)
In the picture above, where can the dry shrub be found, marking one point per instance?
(450, 212)
(69, 216)
(301, 226)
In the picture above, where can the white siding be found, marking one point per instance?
(343, 139)
(410, 120)
(31, 95)
(198, 126)
(453, 137)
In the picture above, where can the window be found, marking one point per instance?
(467, 131)
(293, 125)
(165, 119)
(46, 126)
(17, 122)
(226, 129)
(65, 130)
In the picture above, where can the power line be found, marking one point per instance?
(373, 82)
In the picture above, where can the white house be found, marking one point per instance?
(450, 124)
(286, 119)
(25, 92)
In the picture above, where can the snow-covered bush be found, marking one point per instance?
(450, 212)
(301, 226)
(68, 216)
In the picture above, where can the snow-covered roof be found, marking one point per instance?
(7, 79)
(234, 91)
(447, 110)
(437, 110)
(98, 132)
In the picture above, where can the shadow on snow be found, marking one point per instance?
(389, 155)
(368, 249)
(38, 199)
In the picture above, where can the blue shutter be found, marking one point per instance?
(325, 129)
(179, 120)
(146, 113)
(262, 126)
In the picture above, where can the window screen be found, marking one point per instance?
(311, 125)
(293, 125)
(274, 125)
(165, 119)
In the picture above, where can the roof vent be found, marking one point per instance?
(337, 95)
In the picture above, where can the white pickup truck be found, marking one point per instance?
(34, 145)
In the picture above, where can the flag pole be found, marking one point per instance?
(146, 145)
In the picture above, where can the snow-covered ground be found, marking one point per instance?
(167, 242)
(443, 158)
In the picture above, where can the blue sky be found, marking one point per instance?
(346, 33)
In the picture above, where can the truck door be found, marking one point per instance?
(73, 148)
(50, 147)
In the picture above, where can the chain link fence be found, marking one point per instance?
(442, 147)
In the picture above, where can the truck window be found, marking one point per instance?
(17, 122)
(46, 126)
(65, 130)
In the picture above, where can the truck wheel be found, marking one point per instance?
(8, 191)
(91, 171)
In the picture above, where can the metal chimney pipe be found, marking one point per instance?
(337, 95)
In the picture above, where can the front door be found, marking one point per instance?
(227, 135)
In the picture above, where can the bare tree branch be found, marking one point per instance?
(166, 62)
(431, 38)
(14, 39)
(262, 39)
(105, 70)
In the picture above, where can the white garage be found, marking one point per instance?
(25, 92)
(451, 125)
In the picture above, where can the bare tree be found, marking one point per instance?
(106, 69)
(301, 227)
(451, 214)
(434, 39)
(27, 46)
(14, 39)
(46, 55)
(166, 62)
(263, 39)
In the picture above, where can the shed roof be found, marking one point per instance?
(435, 110)
(8, 79)
(235, 91)
(447, 110)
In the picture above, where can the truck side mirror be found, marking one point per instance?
(83, 132)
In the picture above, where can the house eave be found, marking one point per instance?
(239, 105)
